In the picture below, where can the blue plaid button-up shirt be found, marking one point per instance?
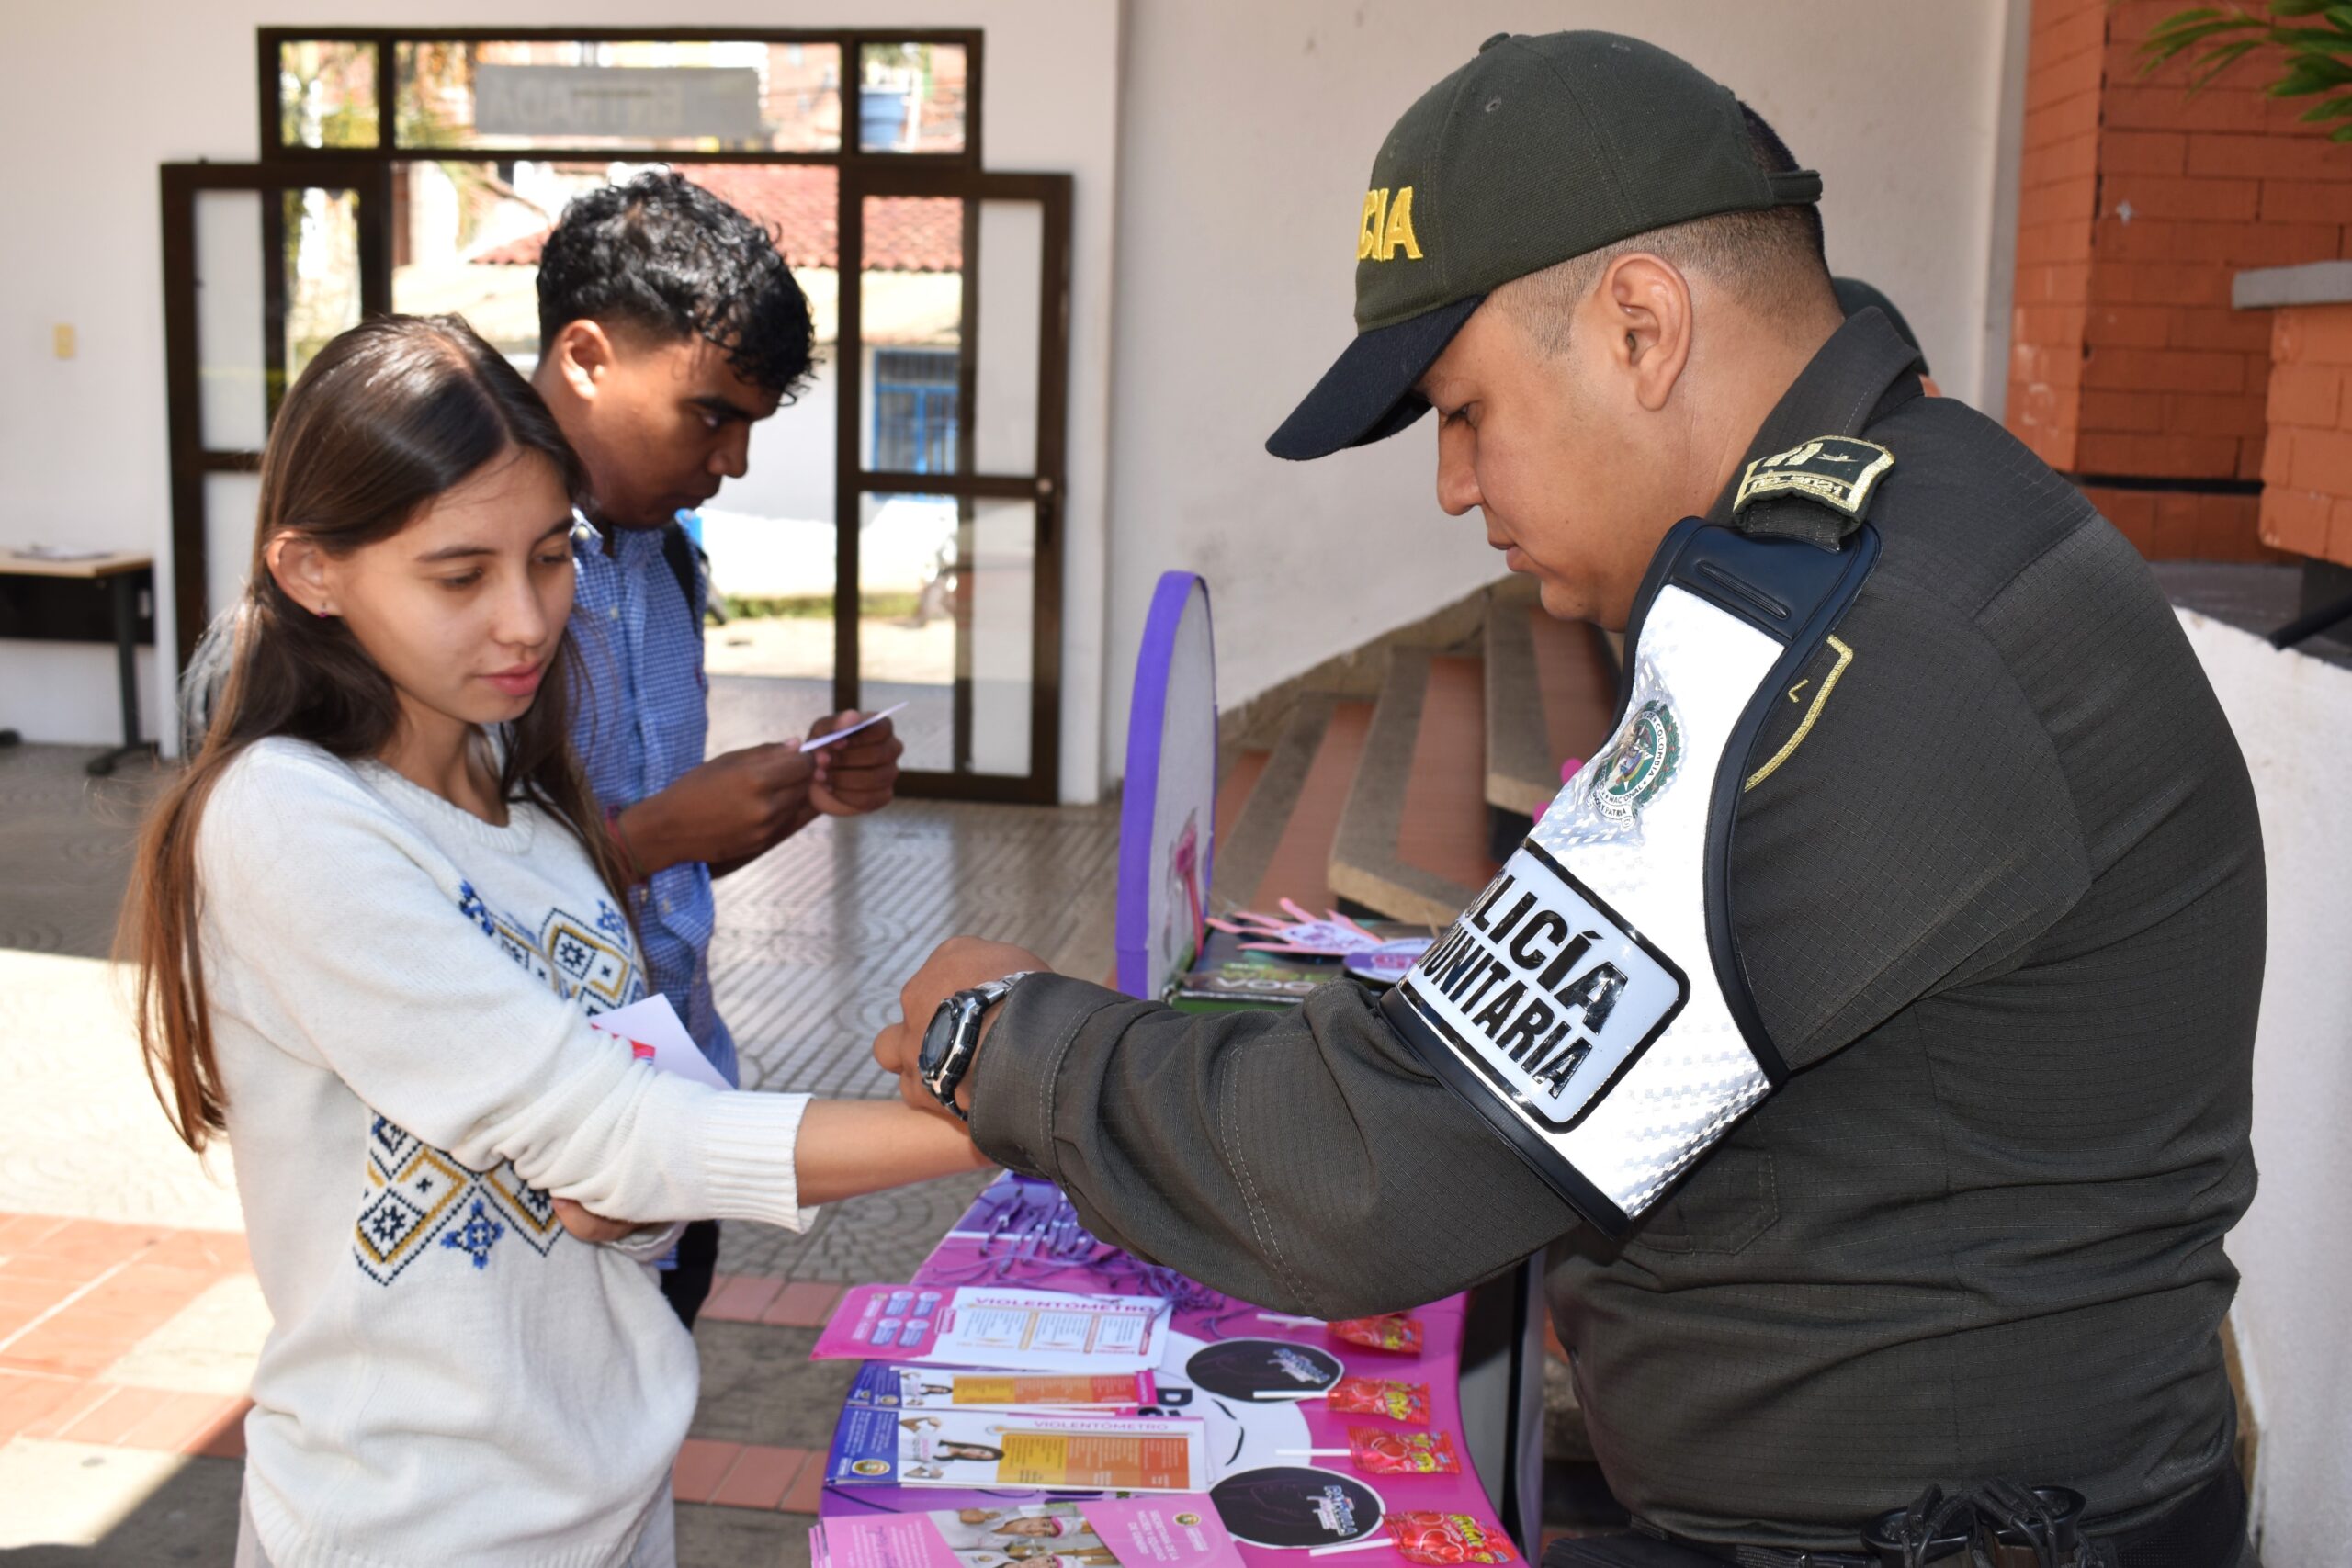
(641, 722)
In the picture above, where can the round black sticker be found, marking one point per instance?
(1295, 1506)
(1263, 1368)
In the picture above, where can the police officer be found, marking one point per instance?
(1871, 1025)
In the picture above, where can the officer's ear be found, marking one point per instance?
(1646, 301)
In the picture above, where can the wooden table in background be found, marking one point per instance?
(124, 576)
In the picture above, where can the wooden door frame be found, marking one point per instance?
(191, 461)
(1047, 484)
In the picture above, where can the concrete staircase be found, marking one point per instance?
(1392, 781)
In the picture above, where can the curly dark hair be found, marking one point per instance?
(664, 253)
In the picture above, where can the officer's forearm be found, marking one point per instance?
(1300, 1160)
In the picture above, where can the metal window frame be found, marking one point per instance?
(862, 174)
(853, 42)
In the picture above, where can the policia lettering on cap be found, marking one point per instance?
(1867, 1028)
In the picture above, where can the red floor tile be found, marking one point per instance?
(225, 1438)
(116, 1417)
(741, 1298)
(178, 1423)
(63, 1344)
(701, 1466)
(802, 1306)
(83, 1249)
(24, 1303)
(213, 1253)
(760, 1477)
(29, 1398)
(803, 1496)
(19, 1232)
(85, 1394)
(141, 1293)
(37, 1295)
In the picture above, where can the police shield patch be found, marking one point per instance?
(1837, 470)
(1545, 989)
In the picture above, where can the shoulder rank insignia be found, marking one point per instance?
(1835, 471)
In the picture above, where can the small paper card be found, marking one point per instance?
(882, 1386)
(1023, 1331)
(653, 1030)
(1179, 1530)
(825, 740)
(986, 1449)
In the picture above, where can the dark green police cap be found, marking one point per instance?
(1539, 149)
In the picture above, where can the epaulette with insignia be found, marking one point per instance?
(1816, 490)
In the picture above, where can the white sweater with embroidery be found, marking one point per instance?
(399, 995)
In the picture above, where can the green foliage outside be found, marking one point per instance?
(817, 607)
(2314, 38)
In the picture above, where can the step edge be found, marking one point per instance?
(1249, 852)
(1517, 733)
(1365, 865)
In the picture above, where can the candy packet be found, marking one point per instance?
(1380, 1396)
(1390, 1331)
(1444, 1540)
(1376, 1452)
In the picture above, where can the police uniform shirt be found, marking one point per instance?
(2001, 908)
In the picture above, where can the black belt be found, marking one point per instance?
(2206, 1529)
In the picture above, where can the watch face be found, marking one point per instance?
(937, 1039)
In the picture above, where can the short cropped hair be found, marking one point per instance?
(1773, 259)
(665, 255)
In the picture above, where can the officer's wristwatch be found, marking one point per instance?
(954, 1035)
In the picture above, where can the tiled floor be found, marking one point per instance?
(78, 1300)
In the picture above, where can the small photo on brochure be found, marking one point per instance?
(880, 1385)
(1039, 1535)
(1179, 1531)
(984, 1448)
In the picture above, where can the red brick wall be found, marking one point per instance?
(2307, 468)
(2057, 198)
(2137, 204)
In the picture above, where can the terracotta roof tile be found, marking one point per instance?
(796, 202)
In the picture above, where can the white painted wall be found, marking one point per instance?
(108, 89)
(1247, 131)
(2293, 718)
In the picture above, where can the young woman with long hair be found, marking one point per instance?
(371, 922)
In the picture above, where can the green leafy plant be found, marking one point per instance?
(2314, 37)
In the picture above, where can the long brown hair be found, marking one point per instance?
(387, 416)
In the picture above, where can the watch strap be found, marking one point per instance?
(972, 1006)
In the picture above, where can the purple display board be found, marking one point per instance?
(1167, 814)
(1240, 1370)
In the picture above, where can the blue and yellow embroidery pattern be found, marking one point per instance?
(416, 1195)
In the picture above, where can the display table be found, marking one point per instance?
(1241, 1370)
(1282, 1479)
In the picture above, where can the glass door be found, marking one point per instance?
(263, 264)
(947, 591)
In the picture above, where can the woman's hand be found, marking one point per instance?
(591, 1229)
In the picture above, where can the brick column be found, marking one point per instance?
(2307, 503)
(2138, 203)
